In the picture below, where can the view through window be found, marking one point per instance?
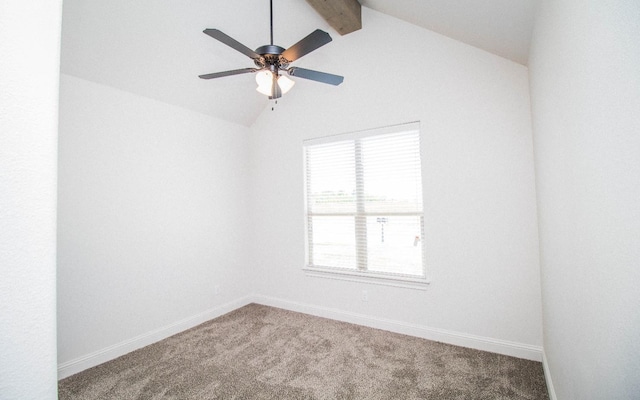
(364, 203)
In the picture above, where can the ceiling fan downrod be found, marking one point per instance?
(270, 53)
(271, 19)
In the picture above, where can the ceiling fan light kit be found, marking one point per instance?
(264, 79)
(271, 60)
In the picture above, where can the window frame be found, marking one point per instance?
(361, 273)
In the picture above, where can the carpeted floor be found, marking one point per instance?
(259, 352)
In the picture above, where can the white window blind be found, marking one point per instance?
(364, 202)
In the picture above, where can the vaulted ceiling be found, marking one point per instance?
(501, 27)
(157, 49)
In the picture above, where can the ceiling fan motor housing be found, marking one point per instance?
(271, 54)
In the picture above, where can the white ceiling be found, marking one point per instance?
(501, 27)
(157, 49)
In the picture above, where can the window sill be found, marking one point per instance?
(370, 278)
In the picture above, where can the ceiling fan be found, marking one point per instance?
(271, 60)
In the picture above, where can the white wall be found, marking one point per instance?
(151, 218)
(585, 85)
(29, 64)
(150, 196)
(478, 176)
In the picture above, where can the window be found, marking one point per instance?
(364, 213)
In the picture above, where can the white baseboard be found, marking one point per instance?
(547, 377)
(119, 349)
(513, 349)
(519, 350)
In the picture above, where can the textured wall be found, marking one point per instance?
(29, 62)
(585, 85)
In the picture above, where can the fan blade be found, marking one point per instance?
(227, 73)
(314, 40)
(231, 42)
(315, 75)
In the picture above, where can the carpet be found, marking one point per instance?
(260, 352)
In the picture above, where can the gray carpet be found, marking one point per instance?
(259, 352)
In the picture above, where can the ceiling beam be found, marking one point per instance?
(344, 16)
